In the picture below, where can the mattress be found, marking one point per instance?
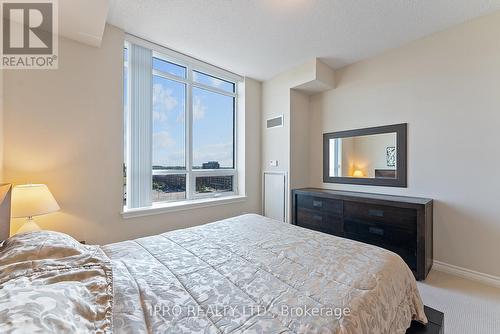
(251, 274)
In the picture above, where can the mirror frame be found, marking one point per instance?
(401, 156)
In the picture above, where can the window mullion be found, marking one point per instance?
(189, 136)
(169, 76)
(235, 139)
(213, 90)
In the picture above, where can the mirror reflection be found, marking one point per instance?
(370, 156)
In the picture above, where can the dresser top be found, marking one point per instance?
(340, 194)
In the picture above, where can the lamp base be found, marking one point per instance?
(28, 226)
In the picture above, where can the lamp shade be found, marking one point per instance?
(357, 173)
(32, 200)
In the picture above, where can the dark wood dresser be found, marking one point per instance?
(400, 224)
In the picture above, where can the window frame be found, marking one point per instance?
(191, 65)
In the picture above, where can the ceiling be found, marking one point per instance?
(261, 38)
(83, 20)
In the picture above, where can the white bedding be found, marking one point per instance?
(246, 274)
(250, 274)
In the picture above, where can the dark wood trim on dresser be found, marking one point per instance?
(398, 223)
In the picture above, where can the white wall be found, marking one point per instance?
(299, 139)
(65, 128)
(447, 87)
(288, 94)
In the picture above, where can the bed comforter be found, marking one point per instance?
(250, 274)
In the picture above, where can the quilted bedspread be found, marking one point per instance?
(250, 274)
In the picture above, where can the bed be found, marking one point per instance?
(247, 274)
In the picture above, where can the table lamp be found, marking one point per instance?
(31, 200)
(357, 173)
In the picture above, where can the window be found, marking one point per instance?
(180, 128)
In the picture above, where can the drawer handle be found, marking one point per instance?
(376, 213)
(376, 231)
(316, 217)
(317, 204)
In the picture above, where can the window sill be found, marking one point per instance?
(160, 208)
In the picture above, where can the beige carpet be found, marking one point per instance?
(469, 307)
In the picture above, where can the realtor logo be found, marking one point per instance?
(29, 34)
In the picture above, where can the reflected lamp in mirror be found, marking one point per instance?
(371, 156)
(358, 173)
(31, 200)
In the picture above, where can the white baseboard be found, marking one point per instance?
(467, 273)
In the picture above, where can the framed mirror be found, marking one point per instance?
(371, 156)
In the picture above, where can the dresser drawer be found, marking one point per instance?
(381, 232)
(401, 217)
(392, 237)
(322, 204)
(319, 221)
